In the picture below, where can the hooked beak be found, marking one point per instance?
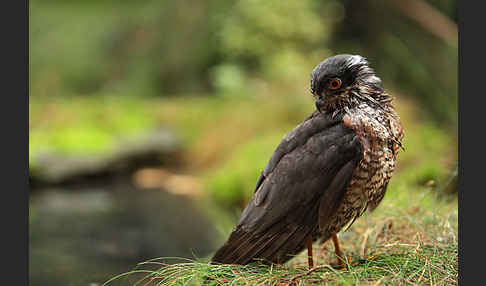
(319, 104)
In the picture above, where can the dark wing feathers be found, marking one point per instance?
(331, 202)
(297, 137)
(300, 186)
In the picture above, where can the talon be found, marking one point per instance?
(372, 257)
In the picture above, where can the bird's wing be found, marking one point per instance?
(303, 182)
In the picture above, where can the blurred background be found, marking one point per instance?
(149, 121)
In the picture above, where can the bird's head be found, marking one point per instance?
(343, 81)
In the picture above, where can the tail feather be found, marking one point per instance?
(278, 244)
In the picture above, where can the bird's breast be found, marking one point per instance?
(376, 167)
(368, 183)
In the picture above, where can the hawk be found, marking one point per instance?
(326, 172)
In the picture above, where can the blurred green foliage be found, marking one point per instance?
(160, 48)
(414, 46)
(258, 37)
(84, 125)
(234, 181)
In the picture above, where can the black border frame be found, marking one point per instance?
(470, 121)
(14, 120)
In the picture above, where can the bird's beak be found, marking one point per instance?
(319, 104)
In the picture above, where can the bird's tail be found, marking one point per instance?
(278, 244)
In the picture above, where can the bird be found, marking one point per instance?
(326, 172)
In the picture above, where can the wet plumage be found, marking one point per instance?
(326, 172)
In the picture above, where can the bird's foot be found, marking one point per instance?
(342, 262)
(345, 263)
(372, 257)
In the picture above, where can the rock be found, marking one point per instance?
(155, 147)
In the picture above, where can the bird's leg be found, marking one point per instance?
(310, 258)
(337, 249)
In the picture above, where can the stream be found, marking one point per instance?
(85, 235)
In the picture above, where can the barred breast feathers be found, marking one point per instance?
(381, 124)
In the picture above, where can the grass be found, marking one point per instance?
(430, 267)
(417, 265)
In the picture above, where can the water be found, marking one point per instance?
(86, 235)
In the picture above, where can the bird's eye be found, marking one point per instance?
(335, 83)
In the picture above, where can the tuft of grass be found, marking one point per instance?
(412, 265)
(191, 272)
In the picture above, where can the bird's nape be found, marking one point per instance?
(343, 81)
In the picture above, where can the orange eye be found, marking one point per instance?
(335, 83)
